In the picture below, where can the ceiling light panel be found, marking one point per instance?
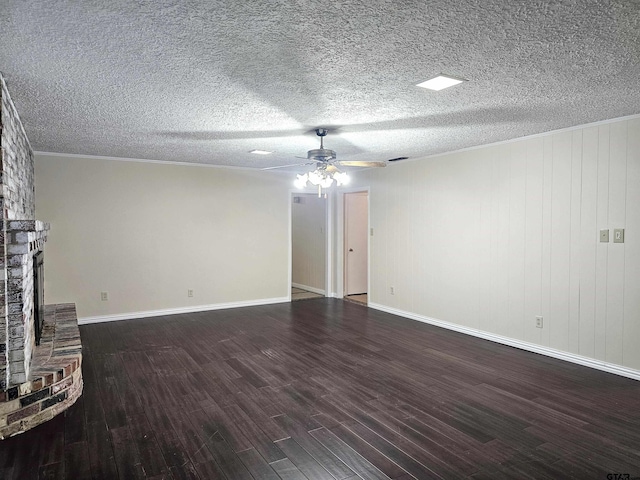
(260, 152)
(440, 82)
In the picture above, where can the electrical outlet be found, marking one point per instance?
(618, 235)
(538, 322)
(604, 236)
(189, 293)
(392, 290)
(104, 296)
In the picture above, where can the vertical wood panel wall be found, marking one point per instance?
(492, 237)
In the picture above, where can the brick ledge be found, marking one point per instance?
(55, 380)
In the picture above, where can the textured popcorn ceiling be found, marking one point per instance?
(208, 81)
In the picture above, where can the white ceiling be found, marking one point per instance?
(206, 81)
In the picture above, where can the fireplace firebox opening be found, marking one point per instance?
(38, 294)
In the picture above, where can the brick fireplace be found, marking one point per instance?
(36, 381)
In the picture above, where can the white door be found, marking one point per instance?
(356, 218)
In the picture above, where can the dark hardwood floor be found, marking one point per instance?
(326, 389)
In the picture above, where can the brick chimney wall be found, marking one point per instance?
(17, 203)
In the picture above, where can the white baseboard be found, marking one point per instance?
(175, 311)
(319, 291)
(531, 347)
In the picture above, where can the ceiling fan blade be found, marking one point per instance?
(285, 166)
(357, 163)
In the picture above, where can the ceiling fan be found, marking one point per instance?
(326, 171)
(325, 158)
(324, 155)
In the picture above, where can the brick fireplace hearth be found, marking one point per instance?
(36, 381)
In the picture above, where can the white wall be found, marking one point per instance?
(309, 241)
(146, 233)
(491, 237)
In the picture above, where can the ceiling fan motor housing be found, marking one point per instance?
(321, 155)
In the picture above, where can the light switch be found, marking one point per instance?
(604, 236)
(618, 235)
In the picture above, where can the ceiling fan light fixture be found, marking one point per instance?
(260, 152)
(320, 177)
(327, 171)
(440, 82)
(301, 181)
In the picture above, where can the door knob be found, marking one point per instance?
(351, 249)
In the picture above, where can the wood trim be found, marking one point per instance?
(175, 311)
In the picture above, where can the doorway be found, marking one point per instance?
(356, 246)
(308, 246)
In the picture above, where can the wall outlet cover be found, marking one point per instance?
(618, 235)
(604, 236)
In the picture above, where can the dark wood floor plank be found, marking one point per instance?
(163, 361)
(263, 444)
(300, 434)
(443, 450)
(305, 462)
(172, 449)
(7, 473)
(259, 416)
(229, 429)
(207, 428)
(55, 471)
(401, 442)
(75, 423)
(8, 454)
(443, 413)
(51, 441)
(185, 471)
(257, 465)
(247, 372)
(395, 453)
(92, 398)
(115, 414)
(126, 454)
(26, 466)
(229, 462)
(348, 455)
(210, 471)
(376, 457)
(286, 470)
(101, 454)
(76, 461)
(193, 445)
(144, 439)
(345, 390)
(622, 458)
